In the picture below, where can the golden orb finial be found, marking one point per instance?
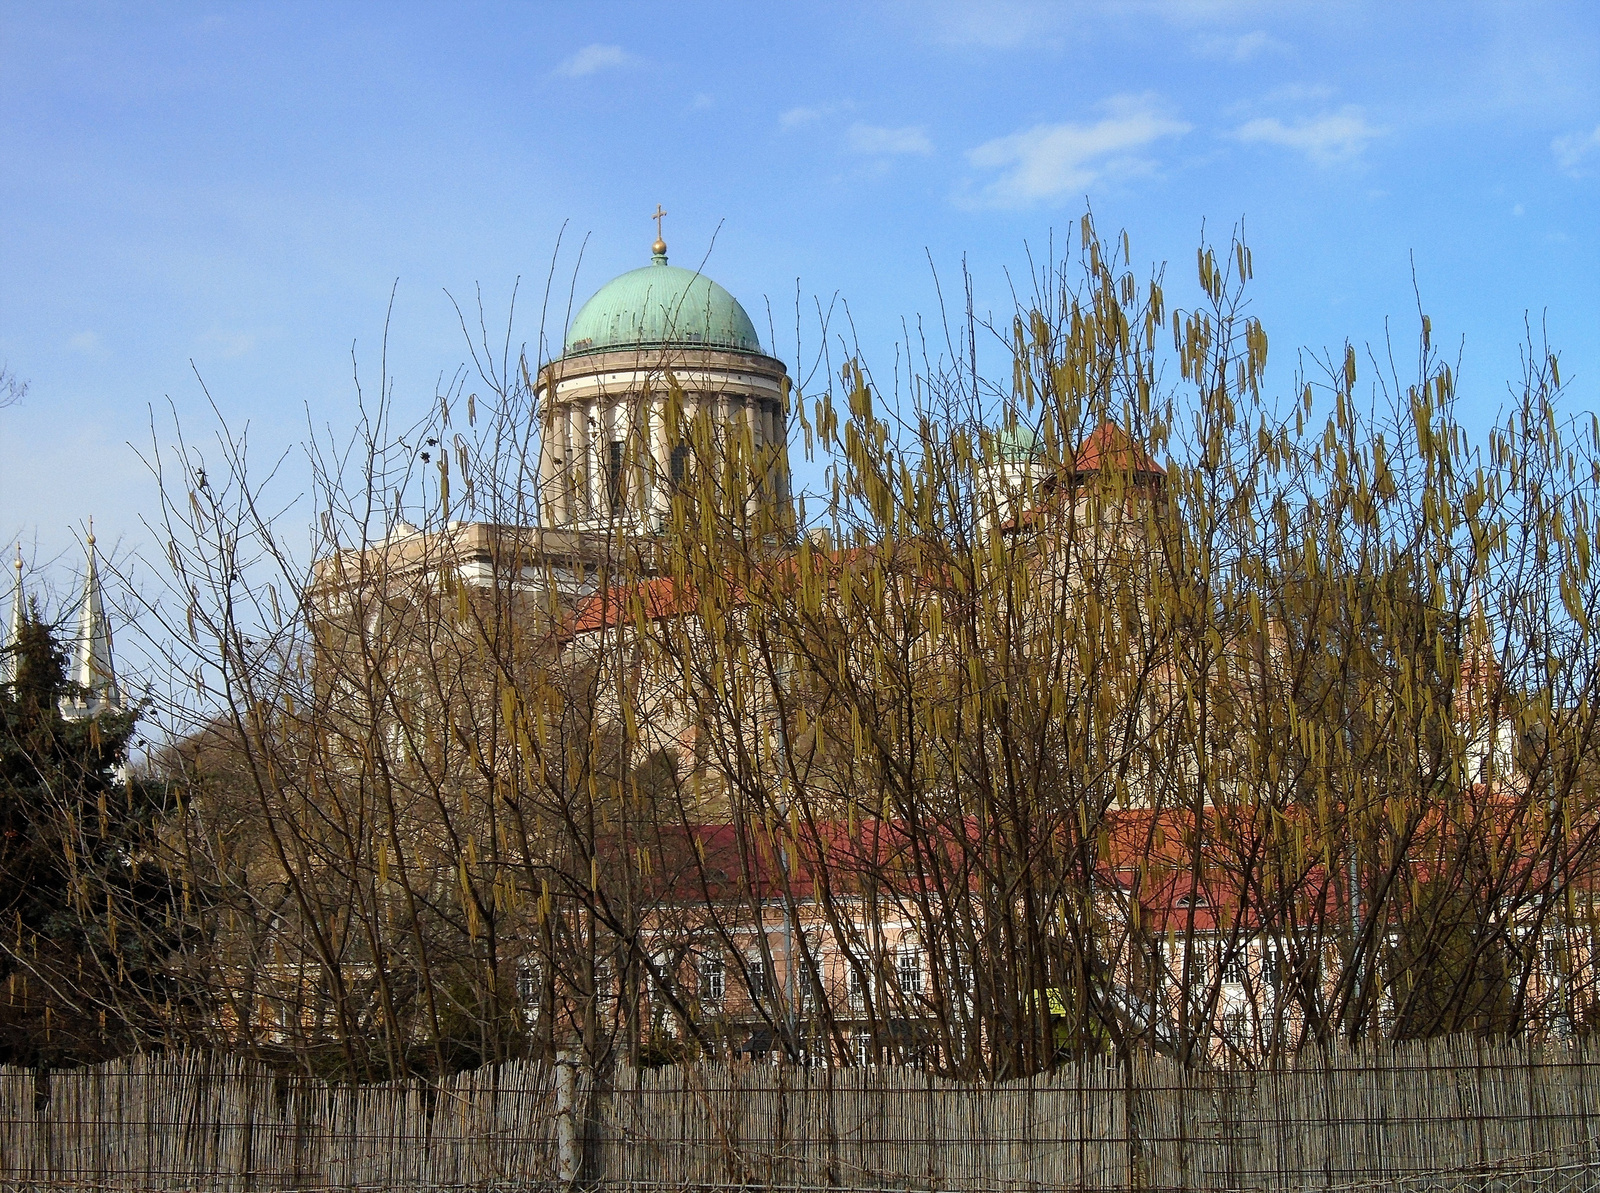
(659, 248)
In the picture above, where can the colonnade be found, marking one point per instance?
(609, 456)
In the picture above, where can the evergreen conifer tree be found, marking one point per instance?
(84, 910)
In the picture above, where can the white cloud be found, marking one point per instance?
(1208, 12)
(997, 25)
(800, 117)
(1298, 93)
(593, 58)
(1327, 140)
(1576, 152)
(1051, 24)
(1049, 161)
(1288, 97)
(804, 117)
(85, 342)
(1242, 48)
(873, 139)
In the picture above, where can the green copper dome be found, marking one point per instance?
(1017, 443)
(659, 305)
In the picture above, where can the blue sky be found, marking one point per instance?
(240, 186)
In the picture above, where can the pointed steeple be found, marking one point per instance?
(1490, 733)
(19, 606)
(91, 668)
(1480, 669)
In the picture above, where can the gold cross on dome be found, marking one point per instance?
(656, 215)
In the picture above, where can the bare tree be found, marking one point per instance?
(12, 388)
(1103, 703)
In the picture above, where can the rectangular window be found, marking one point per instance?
(908, 969)
(679, 469)
(810, 990)
(530, 986)
(605, 984)
(757, 977)
(961, 992)
(807, 988)
(856, 995)
(1553, 958)
(616, 476)
(659, 972)
(713, 981)
(1274, 963)
(1236, 968)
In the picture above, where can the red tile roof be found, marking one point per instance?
(1142, 857)
(1108, 448)
(1111, 448)
(657, 598)
(663, 597)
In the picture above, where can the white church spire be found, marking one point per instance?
(91, 669)
(8, 654)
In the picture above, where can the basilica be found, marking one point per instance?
(774, 790)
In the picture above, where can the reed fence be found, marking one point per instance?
(1449, 1115)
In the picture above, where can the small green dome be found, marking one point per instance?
(1017, 443)
(658, 305)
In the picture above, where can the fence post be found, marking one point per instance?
(568, 1154)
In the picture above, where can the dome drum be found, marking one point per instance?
(608, 459)
(609, 455)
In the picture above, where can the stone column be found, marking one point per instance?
(591, 462)
(660, 459)
(544, 499)
(575, 464)
(751, 429)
